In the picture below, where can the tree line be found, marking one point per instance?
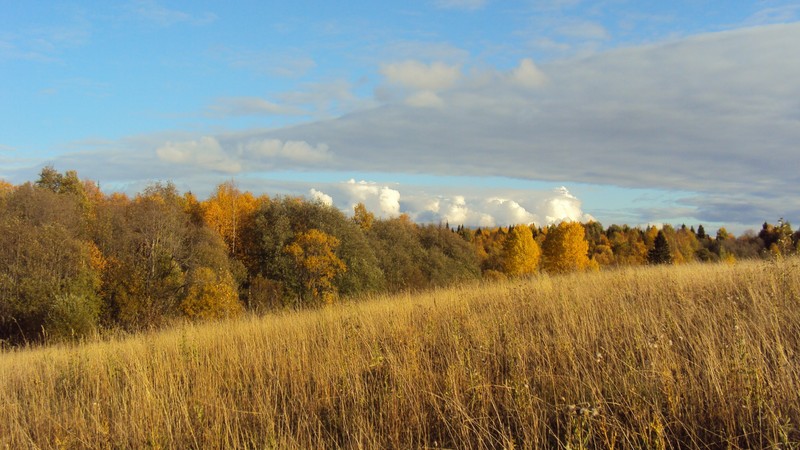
(75, 260)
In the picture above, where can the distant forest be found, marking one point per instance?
(76, 260)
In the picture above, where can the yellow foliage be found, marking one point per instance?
(317, 264)
(97, 260)
(520, 252)
(227, 211)
(362, 217)
(603, 255)
(5, 187)
(565, 248)
(211, 295)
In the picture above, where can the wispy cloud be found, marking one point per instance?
(248, 106)
(461, 4)
(154, 12)
(281, 63)
(771, 15)
(45, 43)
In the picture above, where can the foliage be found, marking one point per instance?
(362, 217)
(565, 248)
(74, 260)
(520, 252)
(660, 253)
(211, 295)
(44, 261)
(316, 265)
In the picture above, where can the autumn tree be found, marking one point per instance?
(447, 258)
(520, 252)
(48, 277)
(686, 244)
(399, 252)
(159, 260)
(228, 211)
(363, 217)
(565, 248)
(316, 265)
(5, 188)
(627, 244)
(210, 295)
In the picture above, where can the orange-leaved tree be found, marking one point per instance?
(565, 248)
(316, 265)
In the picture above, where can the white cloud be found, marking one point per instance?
(321, 197)
(563, 206)
(434, 77)
(482, 208)
(716, 115)
(528, 75)
(690, 115)
(297, 151)
(205, 152)
(383, 200)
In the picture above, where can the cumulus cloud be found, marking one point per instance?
(320, 196)
(205, 152)
(541, 208)
(563, 206)
(485, 209)
(383, 201)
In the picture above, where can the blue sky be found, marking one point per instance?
(469, 111)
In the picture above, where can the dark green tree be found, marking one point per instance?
(660, 253)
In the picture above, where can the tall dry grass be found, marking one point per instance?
(697, 356)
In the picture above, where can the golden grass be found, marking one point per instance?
(699, 356)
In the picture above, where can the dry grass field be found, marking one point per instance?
(697, 356)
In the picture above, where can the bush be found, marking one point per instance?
(72, 316)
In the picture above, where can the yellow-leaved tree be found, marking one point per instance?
(228, 212)
(211, 295)
(521, 253)
(565, 248)
(316, 265)
(363, 217)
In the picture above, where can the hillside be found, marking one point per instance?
(661, 357)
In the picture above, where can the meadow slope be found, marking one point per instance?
(696, 356)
